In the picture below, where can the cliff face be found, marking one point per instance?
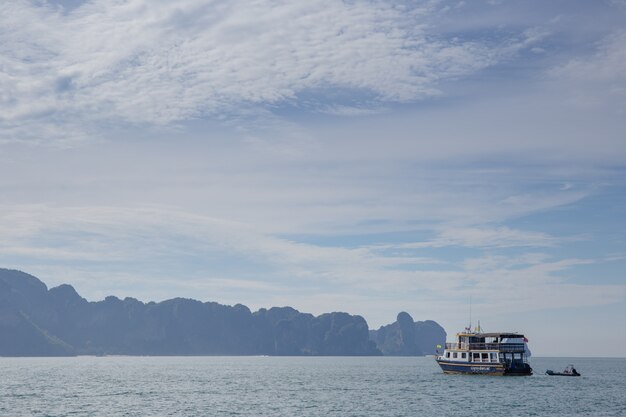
(406, 337)
(21, 333)
(35, 321)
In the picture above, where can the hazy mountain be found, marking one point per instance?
(406, 337)
(35, 321)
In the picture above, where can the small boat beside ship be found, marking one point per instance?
(475, 352)
(569, 371)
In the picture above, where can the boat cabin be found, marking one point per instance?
(487, 348)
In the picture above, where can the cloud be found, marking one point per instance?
(498, 237)
(155, 252)
(599, 79)
(158, 62)
(607, 64)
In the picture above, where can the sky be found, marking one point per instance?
(370, 156)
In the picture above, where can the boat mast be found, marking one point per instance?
(469, 328)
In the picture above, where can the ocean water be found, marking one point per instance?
(295, 386)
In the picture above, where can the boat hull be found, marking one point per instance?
(499, 369)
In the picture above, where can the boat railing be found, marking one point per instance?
(495, 360)
(484, 360)
(501, 347)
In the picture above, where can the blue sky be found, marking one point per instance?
(370, 157)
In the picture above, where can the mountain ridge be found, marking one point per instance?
(37, 321)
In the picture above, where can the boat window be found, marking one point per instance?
(485, 356)
(494, 357)
(517, 356)
(476, 356)
(447, 354)
(464, 355)
(454, 355)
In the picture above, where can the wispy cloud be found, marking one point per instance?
(141, 61)
(599, 80)
(150, 250)
(608, 63)
(497, 237)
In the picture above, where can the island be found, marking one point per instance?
(37, 321)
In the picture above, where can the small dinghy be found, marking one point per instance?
(569, 371)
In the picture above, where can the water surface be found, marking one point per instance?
(296, 386)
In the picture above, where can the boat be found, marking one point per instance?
(474, 352)
(569, 371)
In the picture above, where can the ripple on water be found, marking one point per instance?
(262, 386)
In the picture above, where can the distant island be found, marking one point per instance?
(37, 321)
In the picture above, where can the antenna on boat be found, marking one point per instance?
(469, 328)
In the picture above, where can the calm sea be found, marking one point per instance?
(290, 386)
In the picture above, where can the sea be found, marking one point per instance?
(301, 386)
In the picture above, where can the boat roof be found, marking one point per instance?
(503, 334)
